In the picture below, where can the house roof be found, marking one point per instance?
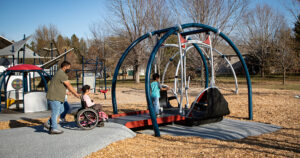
(11, 48)
(28, 54)
(4, 42)
(14, 47)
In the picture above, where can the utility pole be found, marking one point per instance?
(51, 52)
(24, 50)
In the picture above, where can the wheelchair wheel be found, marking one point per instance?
(87, 119)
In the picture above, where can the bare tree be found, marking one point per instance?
(160, 17)
(132, 17)
(136, 18)
(259, 28)
(285, 54)
(222, 14)
(293, 7)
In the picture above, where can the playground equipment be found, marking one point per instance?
(19, 82)
(52, 64)
(209, 96)
(188, 44)
(22, 88)
(88, 118)
(206, 57)
(89, 76)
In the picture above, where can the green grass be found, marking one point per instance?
(269, 82)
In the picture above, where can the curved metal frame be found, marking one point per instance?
(168, 32)
(130, 47)
(172, 58)
(232, 70)
(232, 45)
(230, 65)
(176, 72)
(176, 29)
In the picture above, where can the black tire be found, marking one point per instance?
(87, 119)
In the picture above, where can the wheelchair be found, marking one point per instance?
(87, 118)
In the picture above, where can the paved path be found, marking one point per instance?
(34, 141)
(227, 129)
(33, 115)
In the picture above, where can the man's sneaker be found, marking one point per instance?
(61, 120)
(46, 125)
(100, 124)
(56, 131)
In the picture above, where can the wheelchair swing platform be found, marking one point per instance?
(209, 107)
(142, 118)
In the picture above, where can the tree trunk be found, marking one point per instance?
(137, 73)
(284, 75)
(262, 70)
(262, 74)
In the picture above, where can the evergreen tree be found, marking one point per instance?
(297, 29)
(76, 45)
(82, 47)
(61, 44)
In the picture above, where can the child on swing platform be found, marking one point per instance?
(155, 92)
(86, 89)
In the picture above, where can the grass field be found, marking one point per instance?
(269, 82)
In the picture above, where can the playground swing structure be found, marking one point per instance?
(187, 44)
(228, 63)
(210, 95)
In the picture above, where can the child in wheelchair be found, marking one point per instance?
(87, 105)
(86, 90)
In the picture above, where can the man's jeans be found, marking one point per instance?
(155, 101)
(57, 108)
(66, 110)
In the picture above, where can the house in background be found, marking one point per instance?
(222, 67)
(13, 53)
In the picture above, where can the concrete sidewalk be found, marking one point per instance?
(34, 115)
(227, 129)
(73, 143)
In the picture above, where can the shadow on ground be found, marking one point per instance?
(32, 123)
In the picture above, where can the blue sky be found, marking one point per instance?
(19, 17)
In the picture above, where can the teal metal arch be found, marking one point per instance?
(130, 47)
(180, 28)
(204, 63)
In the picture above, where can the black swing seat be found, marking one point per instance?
(172, 97)
(164, 100)
(210, 107)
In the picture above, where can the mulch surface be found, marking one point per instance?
(278, 107)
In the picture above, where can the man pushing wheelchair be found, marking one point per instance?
(56, 97)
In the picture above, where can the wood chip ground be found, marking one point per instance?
(278, 107)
